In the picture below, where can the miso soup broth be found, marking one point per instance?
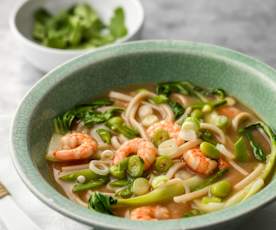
(165, 151)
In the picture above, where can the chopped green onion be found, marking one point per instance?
(119, 170)
(159, 136)
(105, 135)
(140, 186)
(163, 163)
(135, 167)
(125, 193)
(159, 180)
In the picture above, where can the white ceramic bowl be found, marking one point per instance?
(45, 58)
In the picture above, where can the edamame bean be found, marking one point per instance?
(221, 189)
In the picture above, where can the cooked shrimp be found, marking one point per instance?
(222, 164)
(169, 126)
(139, 146)
(228, 111)
(157, 212)
(76, 146)
(199, 163)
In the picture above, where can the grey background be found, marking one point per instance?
(244, 25)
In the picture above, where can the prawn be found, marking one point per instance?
(143, 148)
(199, 163)
(157, 212)
(228, 111)
(172, 128)
(76, 146)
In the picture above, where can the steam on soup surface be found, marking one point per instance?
(163, 152)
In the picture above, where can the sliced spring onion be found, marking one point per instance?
(119, 170)
(99, 167)
(183, 174)
(168, 148)
(159, 136)
(140, 186)
(188, 135)
(191, 123)
(230, 101)
(105, 135)
(135, 167)
(107, 155)
(224, 151)
(159, 180)
(125, 192)
(163, 163)
(144, 111)
(149, 120)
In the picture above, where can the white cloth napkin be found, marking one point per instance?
(42, 215)
(48, 219)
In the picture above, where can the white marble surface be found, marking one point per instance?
(248, 26)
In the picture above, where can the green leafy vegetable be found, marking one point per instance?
(219, 93)
(177, 109)
(87, 114)
(168, 88)
(241, 150)
(77, 27)
(105, 135)
(117, 25)
(206, 135)
(258, 152)
(101, 203)
(117, 124)
(159, 99)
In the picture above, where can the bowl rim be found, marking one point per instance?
(27, 171)
(35, 45)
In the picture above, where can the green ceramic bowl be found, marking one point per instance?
(253, 82)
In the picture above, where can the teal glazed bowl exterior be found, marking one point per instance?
(92, 74)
